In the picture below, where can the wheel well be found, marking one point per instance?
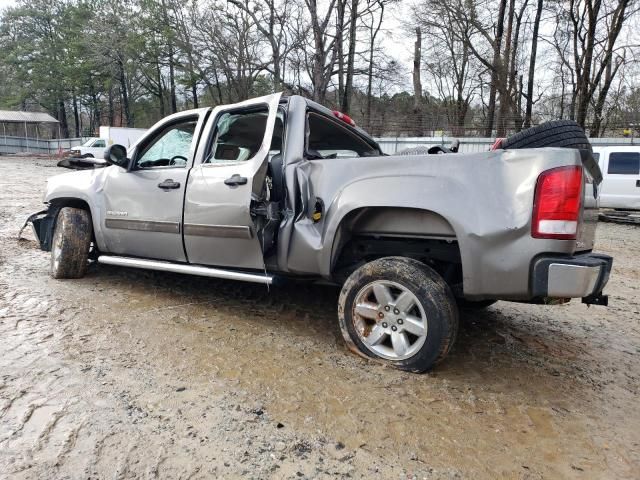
(369, 233)
(56, 204)
(59, 203)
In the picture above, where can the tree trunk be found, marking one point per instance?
(76, 115)
(351, 58)
(172, 81)
(340, 46)
(493, 88)
(112, 114)
(417, 82)
(532, 65)
(372, 45)
(96, 114)
(62, 118)
(503, 87)
(584, 80)
(194, 94)
(610, 73)
(125, 95)
(160, 89)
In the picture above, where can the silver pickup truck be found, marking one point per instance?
(279, 188)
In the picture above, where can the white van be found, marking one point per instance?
(621, 176)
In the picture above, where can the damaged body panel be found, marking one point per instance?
(285, 185)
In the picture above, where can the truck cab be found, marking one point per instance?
(620, 166)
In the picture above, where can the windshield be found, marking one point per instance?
(88, 142)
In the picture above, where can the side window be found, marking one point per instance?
(328, 139)
(99, 144)
(169, 148)
(625, 163)
(238, 136)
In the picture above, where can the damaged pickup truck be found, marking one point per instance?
(279, 188)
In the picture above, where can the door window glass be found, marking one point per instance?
(625, 163)
(99, 144)
(239, 136)
(170, 148)
(329, 139)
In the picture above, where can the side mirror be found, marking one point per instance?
(116, 155)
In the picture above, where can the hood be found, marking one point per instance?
(78, 184)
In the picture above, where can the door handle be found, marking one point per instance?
(169, 184)
(235, 180)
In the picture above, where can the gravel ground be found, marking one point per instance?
(134, 374)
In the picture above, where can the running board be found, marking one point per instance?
(188, 269)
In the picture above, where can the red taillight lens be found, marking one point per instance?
(344, 117)
(557, 202)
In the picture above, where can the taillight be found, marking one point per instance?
(557, 202)
(344, 117)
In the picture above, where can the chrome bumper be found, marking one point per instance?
(581, 276)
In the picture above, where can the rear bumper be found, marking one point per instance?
(579, 276)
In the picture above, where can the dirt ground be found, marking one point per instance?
(135, 374)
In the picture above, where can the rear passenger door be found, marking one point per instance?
(621, 185)
(229, 172)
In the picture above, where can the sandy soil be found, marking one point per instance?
(134, 374)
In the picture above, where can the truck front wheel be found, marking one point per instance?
(400, 311)
(71, 242)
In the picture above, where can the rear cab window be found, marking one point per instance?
(624, 163)
(327, 138)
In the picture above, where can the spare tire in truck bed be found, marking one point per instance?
(558, 133)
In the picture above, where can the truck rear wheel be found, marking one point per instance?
(70, 244)
(400, 311)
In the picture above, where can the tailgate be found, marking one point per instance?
(593, 178)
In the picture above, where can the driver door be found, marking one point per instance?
(142, 213)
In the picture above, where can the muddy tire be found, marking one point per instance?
(70, 244)
(400, 311)
(474, 304)
(559, 133)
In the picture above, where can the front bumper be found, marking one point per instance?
(42, 225)
(581, 276)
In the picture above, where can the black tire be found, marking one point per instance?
(87, 155)
(474, 304)
(559, 133)
(428, 289)
(70, 243)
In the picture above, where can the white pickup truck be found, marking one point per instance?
(620, 166)
(95, 147)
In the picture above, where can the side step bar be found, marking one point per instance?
(189, 269)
